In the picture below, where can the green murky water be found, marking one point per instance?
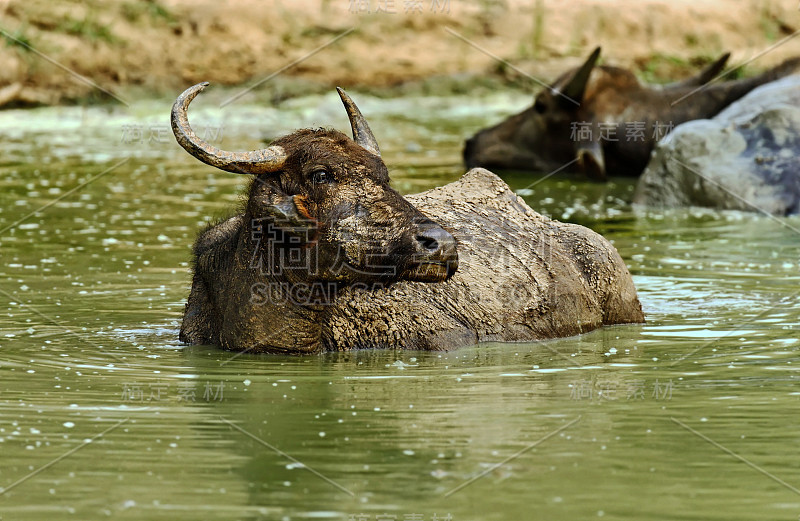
(103, 413)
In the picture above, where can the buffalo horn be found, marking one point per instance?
(361, 132)
(269, 159)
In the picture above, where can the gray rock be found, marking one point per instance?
(745, 158)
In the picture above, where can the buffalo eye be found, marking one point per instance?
(321, 176)
(539, 106)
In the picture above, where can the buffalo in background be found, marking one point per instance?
(602, 121)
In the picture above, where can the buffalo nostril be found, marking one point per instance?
(434, 239)
(427, 242)
(436, 242)
(436, 253)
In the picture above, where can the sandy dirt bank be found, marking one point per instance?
(56, 52)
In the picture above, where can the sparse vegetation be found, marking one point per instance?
(89, 29)
(662, 68)
(17, 39)
(152, 9)
(538, 27)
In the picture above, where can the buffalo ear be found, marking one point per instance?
(591, 160)
(575, 87)
(290, 211)
(268, 201)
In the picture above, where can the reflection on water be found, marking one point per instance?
(104, 413)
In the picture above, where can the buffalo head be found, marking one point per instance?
(320, 207)
(537, 139)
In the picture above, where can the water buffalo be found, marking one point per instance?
(601, 119)
(326, 256)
